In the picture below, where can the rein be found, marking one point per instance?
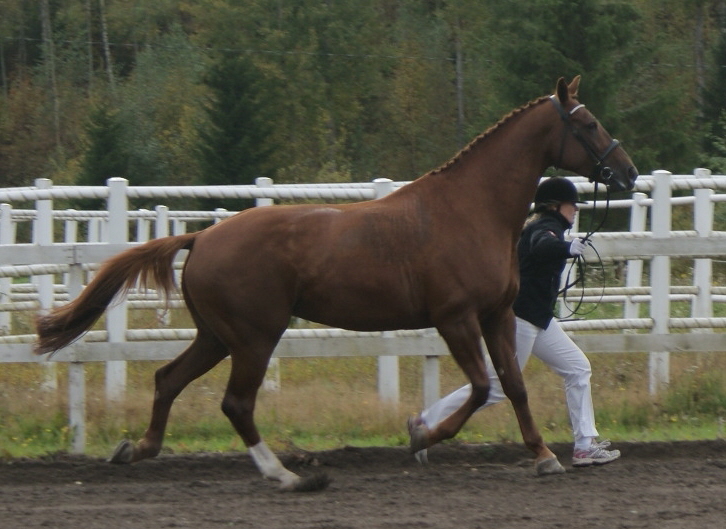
(605, 174)
(580, 263)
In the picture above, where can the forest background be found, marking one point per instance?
(175, 92)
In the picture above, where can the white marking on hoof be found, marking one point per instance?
(549, 466)
(271, 468)
(422, 456)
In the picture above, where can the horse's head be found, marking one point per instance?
(585, 146)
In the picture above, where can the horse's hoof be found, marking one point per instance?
(549, 466)
(312, 483)
(418, 438)
(123, 454)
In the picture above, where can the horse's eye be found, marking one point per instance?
(591, 126)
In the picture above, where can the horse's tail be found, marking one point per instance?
(150, 263)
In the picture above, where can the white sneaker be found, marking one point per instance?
(595, 455)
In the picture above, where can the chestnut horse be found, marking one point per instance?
(439, 252)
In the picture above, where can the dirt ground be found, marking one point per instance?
(679, 485)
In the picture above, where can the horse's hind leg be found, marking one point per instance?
(249, 363)
(205, 352)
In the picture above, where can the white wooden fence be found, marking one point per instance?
(57, 263)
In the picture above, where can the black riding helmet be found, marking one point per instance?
(555, 190)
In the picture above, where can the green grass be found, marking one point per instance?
(327, 403)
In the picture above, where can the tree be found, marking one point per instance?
(234, 145)
(106, 154)
(657, 107)
(564, 38)
(715, 157)
(714, 103)
(353, 89)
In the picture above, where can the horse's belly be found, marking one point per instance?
(361, 309)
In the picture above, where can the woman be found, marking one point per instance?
(543, 253)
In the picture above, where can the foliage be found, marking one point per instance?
(106, 154)
(234, 143)
(353, 90)
(716, 160)
(565, 38)
(696, 395)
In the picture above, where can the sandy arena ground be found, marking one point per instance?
(678, 485)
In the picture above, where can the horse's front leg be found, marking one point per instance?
(500, 338)
(463, 339)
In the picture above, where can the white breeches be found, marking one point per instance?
(560, 353)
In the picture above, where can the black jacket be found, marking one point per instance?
(542, 255)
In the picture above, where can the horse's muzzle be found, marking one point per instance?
(608, 177)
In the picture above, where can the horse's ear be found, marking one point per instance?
(574, 86)
(562, 90)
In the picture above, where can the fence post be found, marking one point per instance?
(178, 226)
(70, 236)
(431, 381)
(388, 381)
(142, 226)
(76, 375)
(7, 236)
(634, 267)
(117, 231)
(263, 181)
(161, 228)
(43, 236)
(95, 230)
(703, 210)
(273, 378)
(73, 280)
(660, 221)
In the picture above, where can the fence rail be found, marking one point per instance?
(62, 248)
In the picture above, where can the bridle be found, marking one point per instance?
(602, 173)
(600, 170)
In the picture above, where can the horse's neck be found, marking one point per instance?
(500, 172)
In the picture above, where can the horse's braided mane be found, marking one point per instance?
(488, 132)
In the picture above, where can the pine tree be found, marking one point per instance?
(235, 145)
(105, 156)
